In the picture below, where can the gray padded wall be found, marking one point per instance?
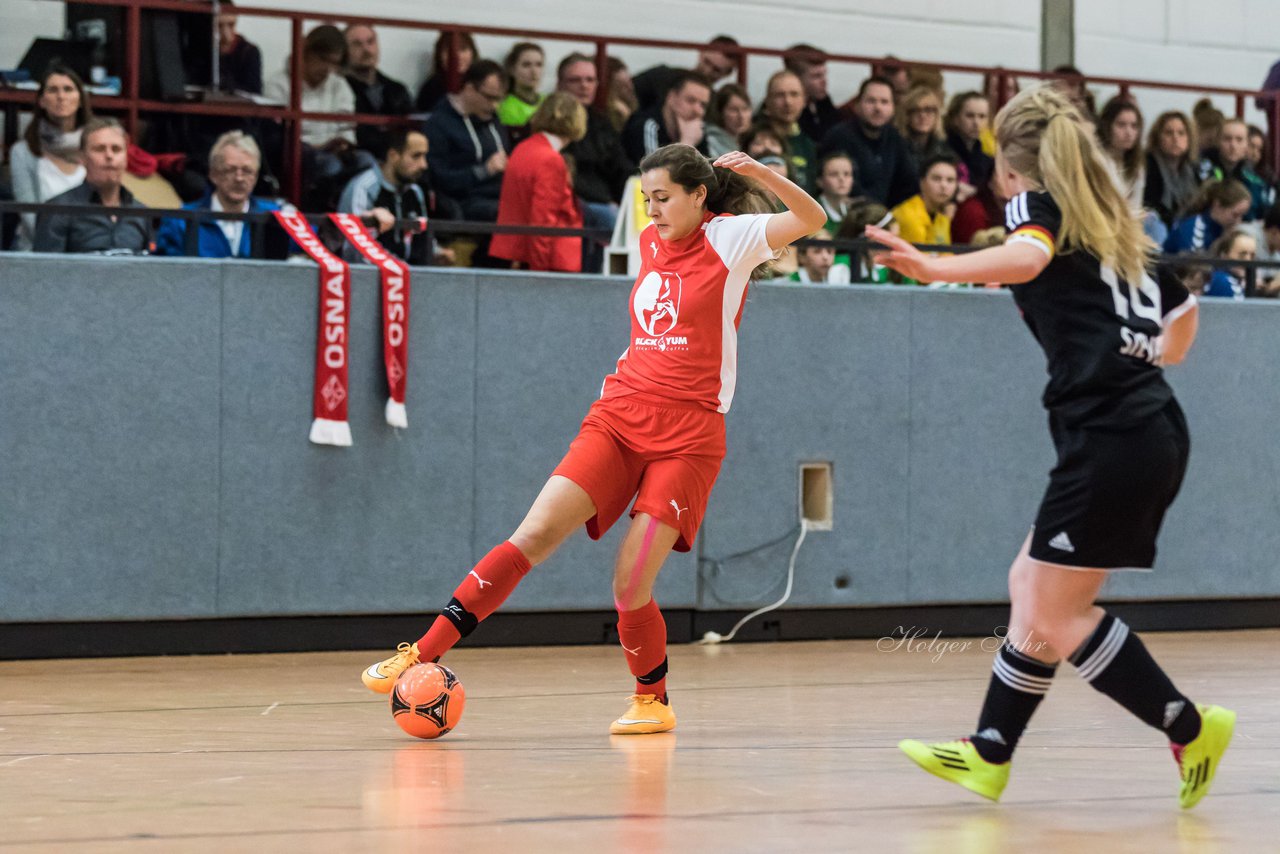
(109, 445)
(153, 450)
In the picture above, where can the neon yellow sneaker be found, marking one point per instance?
(959, 762)
(645, 715)
(381, 677)
(1199, 759)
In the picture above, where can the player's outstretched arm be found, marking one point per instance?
(1178, 335)
(1011, 264)
(803, 215)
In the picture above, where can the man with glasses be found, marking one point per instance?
(233, 172)
(715, 62)
(468, 146)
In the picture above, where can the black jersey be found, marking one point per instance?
(1100, 334)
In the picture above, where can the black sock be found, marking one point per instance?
(1116, 662)
(1018, 684)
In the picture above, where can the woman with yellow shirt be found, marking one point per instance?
(926, 217)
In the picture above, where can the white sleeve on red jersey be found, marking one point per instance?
(740, 240)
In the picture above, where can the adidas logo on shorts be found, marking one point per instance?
(1062, 543)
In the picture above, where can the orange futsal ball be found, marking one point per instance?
(427, 700)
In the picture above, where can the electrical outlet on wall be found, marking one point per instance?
(817, 495)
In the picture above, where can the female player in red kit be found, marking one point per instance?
(657, 432)
(1076, 259)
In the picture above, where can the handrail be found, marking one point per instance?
(429, 227)
(292, 115)
(415, 225)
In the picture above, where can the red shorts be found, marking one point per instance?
(665, 455)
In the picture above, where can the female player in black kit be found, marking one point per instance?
(1076, 258)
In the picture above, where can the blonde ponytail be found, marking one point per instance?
(1042, 137)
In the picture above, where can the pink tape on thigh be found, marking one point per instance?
(634, 582)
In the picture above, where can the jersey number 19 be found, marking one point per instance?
(1143, 300)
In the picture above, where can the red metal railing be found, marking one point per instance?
(291, 116)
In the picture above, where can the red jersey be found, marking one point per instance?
(685, 309)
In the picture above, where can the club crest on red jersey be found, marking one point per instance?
(657, 303)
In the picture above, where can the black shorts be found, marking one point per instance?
(1109, 492)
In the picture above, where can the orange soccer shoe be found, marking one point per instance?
(645, 715)
(381, 677)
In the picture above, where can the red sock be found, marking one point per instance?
(479, 595)
(643, 634)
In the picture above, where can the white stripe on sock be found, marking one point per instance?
(1102, 657)
(1019, 681)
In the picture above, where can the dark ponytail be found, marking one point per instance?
(727, 191)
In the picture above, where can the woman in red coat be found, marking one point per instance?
(537, 190)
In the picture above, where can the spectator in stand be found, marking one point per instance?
(926, 216)
(622, 93)
(1209, 120)
(818, 262)
(715, 62)
(239, 60)
(1217, 207)
(919, 119)
(967, 116)
(8, 221)
(436, 87)
(391, 192)
(982, 211)
(998, 88)
(1258, 153)
(600, 167)
(897, 72)
(820, 112)
(1171, 175)
(835, 187)
(1237, 244)
(783, 105)
(728, 119)
(677, 119)
(1120, 132)
(862, 265)
(928, 77)
(762, 141)
(47, 160)
(537, 190)
(327, 146)
(1269, 250)
(777, 164)
(1076, 88)
(234, 162)
(468, 145)
(523, 65)
(103, 150)
(882, 159)
(1266, 102)
(1231, 161)
(375, 92)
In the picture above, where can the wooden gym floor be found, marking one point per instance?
(780, 747)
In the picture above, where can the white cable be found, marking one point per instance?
(716, 637)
